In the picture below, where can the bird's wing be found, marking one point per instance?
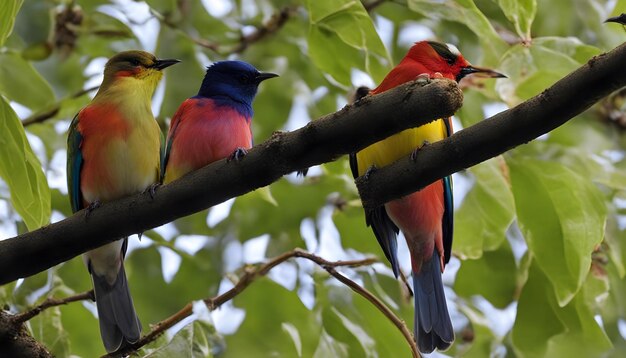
(74, 164)
(176, 120)
(448, 212)
(384, 229)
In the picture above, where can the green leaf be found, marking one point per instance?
(20, 169)
(521, 13)
(532, 69)
(496, 273)
(48, 329)
(190, 341)
(8, 11)
(353, 321)
(465, 12)
(486, 212)
(262, 334)
(350, 223)
(566, 331)
(484, 339)
(562, 216)
(342, 29)
(20, 82)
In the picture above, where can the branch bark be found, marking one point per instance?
(556, 105)
(323, 140)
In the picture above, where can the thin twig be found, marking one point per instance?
(275, 23)
(251, 273)
(52, 111)
(51, 302)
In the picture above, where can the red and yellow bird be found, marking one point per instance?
(426, 216)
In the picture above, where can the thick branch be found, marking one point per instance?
(320, 141)
(556, 105)
(15, 341)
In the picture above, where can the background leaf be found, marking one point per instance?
(20, 169)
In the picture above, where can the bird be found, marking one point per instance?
(113, 150)
(216, 123)
(425, 217)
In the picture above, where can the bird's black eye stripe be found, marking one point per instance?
(444, 52)
(134, 62)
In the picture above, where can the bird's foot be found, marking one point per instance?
(417, 150)
(237, 155)
(369, 171)
(152, 189)
(302, 172)
(423, 79)
(91, 207)
(139, 235)
(437, 75)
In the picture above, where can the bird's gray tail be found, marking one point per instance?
(119, 324)
(433, 328)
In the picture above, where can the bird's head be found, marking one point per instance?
(445, 59)
(138, 67)
(236, 80)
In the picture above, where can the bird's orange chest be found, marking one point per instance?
(119, 158)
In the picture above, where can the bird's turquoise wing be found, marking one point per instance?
(74, 165)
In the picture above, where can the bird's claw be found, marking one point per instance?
(416, 150)
(91, 207)
(423, 79)
(237, 155)
(302, 172)
(152, 189)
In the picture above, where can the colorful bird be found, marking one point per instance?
(424, 217)
(114, 151)
(214, 124)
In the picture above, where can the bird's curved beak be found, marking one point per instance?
(483, 72)
(161, 64)
(262, 76)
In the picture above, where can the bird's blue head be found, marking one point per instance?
(234, 80)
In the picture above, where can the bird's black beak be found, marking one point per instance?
(483, 72)
(619, 19)
(161, 64)
(262, 76)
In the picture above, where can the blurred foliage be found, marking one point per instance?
(539, 230)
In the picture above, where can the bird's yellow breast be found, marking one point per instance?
(389, 150)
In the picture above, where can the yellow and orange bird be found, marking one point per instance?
(113, 150)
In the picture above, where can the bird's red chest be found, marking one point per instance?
(206, 133)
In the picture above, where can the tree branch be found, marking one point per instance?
(15, 341)
(322, 140)
(253, 273)
(556, 105)
(52, 111)
(275, 23)
(52, 302)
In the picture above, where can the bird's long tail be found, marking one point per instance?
(433, 328)
(119, 324)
